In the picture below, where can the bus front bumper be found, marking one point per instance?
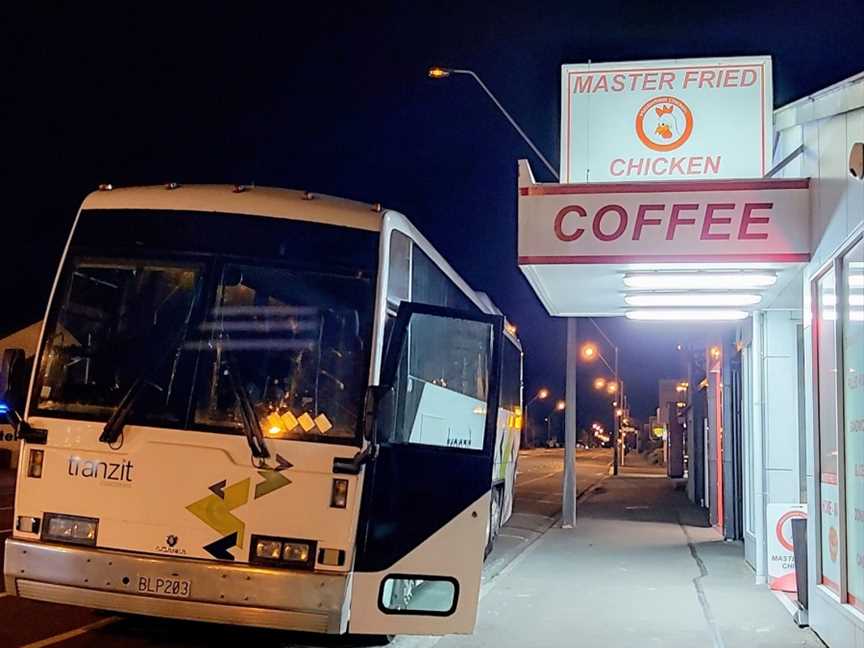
(218, 592)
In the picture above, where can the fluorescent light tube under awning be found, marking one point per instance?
(699, 280)
(686, 314)
(693, 299)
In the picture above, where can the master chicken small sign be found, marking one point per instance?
(666, 120)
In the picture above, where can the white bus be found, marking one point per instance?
(262, 407)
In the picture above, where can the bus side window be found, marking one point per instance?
(511, 383)
(399, 272)
(442, 383)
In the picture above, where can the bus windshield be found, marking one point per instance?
(197, 324)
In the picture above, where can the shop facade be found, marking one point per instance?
(776, 421)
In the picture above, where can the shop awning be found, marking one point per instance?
(615, 248)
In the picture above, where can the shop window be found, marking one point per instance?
(852, 297)
(826, 359)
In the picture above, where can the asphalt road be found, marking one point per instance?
(31, 624)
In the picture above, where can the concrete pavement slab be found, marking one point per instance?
(641, 568)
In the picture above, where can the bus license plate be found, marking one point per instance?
(164, 586)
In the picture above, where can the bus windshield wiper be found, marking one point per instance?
(251, 427)
(114, 427)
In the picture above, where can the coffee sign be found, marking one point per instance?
(733, 221)
(668, 120)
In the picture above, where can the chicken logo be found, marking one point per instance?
(664, 123)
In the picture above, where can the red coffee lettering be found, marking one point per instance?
(642, 220)
(559, 223)
(711, 220)
(747, 219)
(598, 220)
(675, 219)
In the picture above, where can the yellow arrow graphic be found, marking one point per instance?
(273, 480)
(215, 511)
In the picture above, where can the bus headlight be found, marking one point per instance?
(268, 549)
(283, 552)
(295, 552)
(69, 528)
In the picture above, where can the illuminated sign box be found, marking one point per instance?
(671, 120)
(577, 242)
(724, 221)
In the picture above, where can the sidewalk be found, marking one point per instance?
(641, 568)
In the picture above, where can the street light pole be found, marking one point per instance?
(442, 73)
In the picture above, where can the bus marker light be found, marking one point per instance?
(331, 557)
(34, 466)
(27, 524)
(339, 494)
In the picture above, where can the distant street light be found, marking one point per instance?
(589, 353)
(559, 407)
(443, 73)
(541, 394)
(599, 383)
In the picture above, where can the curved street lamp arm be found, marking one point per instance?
(510, 119)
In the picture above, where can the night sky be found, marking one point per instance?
(336, 101)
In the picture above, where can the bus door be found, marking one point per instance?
(426, 496)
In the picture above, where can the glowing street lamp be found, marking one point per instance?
(599, 383)
(443, 73)
(589, 352)
(542, 394)
(438, 73)
(612, 387)
(560, 405)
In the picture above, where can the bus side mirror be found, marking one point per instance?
(13, 383)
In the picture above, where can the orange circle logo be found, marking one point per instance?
(833, 544)
(664, 123)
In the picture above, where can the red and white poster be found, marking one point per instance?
(781, 559)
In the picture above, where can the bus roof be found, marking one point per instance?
(255, 201)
